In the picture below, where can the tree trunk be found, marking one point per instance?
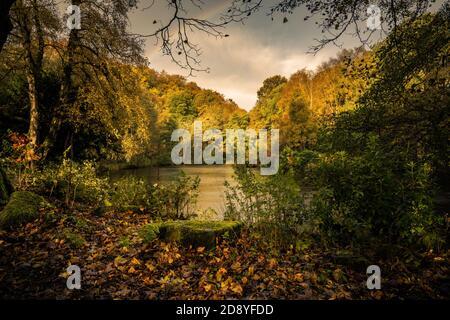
(34, 57)
(68, 92)
(34, 113)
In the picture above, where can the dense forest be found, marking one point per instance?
(363, 180)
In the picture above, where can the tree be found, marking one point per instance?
(103, 36)
(32, 36)
(270, 84)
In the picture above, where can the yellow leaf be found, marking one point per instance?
(236, 266)
(150, 266)
(200, 249)
(251, 270)
(119, 260)
(131, 270)
(219, 273)
(207, 287)
(135, 262)
(236, 288)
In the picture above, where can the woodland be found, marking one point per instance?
(364, 158)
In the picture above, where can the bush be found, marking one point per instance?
(176, 199)
(272, 204)
(129, 192)
(373, 195)
(71, 181)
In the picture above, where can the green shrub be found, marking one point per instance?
(373, 195)
(70, 181)
(172, 200)
(129, 192)
(176, 199)
(272, 204)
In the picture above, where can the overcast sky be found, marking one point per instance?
(253, 52)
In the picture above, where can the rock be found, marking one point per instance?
(192, 232)
(22, 207)
(5, 188)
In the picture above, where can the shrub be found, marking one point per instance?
(176, 199)
(272, 204)
(173, 200)
(373, 195)
(129, 192)
(71, 181)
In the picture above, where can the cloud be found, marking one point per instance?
(253, 52)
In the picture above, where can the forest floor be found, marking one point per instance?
(115, 264)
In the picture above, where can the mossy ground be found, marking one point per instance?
(22, 207)
(191, 232)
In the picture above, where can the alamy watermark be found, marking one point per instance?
(74, 279)
(374, 277)
(74, 18)
(237, 141)
(374, 20)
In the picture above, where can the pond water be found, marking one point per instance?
(212, 179)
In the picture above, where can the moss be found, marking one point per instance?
(22, 207)
(149, 232)
(5, 188)
(124, 242)
(196, 233)
(74, 240)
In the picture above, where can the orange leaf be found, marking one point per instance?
(298, 277)
(200, 249)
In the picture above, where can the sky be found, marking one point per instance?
(254, 51)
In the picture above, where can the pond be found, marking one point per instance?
(212, 179)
